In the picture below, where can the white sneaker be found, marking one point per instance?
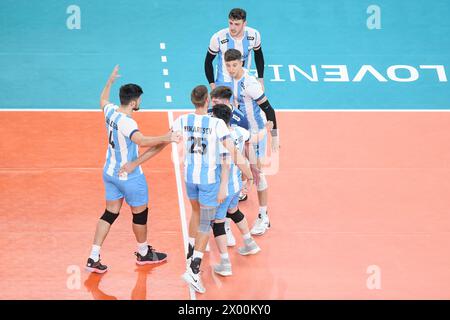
(194, 280)
(224, 268)
(231, 241)
(250, 247)
(262, 224)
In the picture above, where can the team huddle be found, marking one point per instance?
(225, 142)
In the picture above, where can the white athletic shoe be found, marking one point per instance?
(224, 268)
(262, 224)
(194, 280)
(250, 247)
(231, 241)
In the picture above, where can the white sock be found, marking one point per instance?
(95, 253)
(143, 248)
(197, 254)
(224, 256)
(263, 211)
(247, 236)
(192, 241)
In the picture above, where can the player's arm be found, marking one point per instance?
(147, 155)
(209, 69)
(265, 106)
(146, 141)
(213, 50)
(259, 61)
(104, 96)
(237, 158)
(224, 174)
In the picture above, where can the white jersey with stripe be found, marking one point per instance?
(222, 40)
(239, 136)
(202, 136)
(247, 90)
(120, 128)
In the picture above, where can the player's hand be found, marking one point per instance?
(127, 168)
(275, 143)
(222, 193)
(114, 75)
(269, 125)
(244, 189)
(212, 85)
(173, 136)
(248, 185)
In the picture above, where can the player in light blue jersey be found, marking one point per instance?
(237, 36)
(206, 179)
(250, 97)
(229, 207)
(124, 138)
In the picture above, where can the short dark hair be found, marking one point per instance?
(222, 111)
(199, 95)
(221, 92)
(237, 14)
(129, 92)
(232, 54)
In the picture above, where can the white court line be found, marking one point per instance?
(192, 109)
(176, 164)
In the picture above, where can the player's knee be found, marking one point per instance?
(141, 218)
(219, 229)
(109, 217)
(207, 215)
(237, 217)
(262, 185)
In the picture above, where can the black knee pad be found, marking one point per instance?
(140, 218)
(219, 229)
(109, 217)
(237, 217)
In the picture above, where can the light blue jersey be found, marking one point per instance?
(120, 128)
(222, 40)
(203, 137)
(247, 91)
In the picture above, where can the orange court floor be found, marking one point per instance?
(359, 206)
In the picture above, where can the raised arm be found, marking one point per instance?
(104, 96)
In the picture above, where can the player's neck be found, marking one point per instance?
(127, 110)
(238, 37)
(201, 111)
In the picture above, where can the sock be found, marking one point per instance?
(143, 248)
(224, 256)
(95, 253)
(247, 236)
(192, 241)
(197, 254)
(263, 211)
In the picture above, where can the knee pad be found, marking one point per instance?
(262, 185)
(219, 229)
(207, 215)
(140, 218)
(109, 217)
(237, 217)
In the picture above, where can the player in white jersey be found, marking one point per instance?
(206, 179)
(250, 97)
(229, 207)
(237, 36)
(124, 138)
